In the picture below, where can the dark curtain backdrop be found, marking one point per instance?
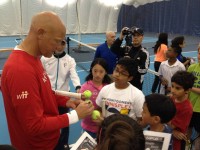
(174, 16)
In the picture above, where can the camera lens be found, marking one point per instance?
(126, 32)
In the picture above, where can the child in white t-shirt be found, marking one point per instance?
(121, 97)
(168, 68)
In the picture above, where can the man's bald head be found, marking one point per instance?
(110, 37)
(46, 34)
(47, 20)
(109, 33)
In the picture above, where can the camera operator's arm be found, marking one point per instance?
(144, 62)
(116, 46)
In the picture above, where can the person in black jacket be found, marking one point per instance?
(133, 50)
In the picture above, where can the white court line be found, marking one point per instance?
(189, 52)
(149, 56)
(82, 71)
(84, 62)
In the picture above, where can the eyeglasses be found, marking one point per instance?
(120, 73)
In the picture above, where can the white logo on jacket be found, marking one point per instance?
(44, 77)
(23, 95)
(65, 64)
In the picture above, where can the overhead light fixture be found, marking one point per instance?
(2, 2)
(116, 7)
(58, 3)
(111, 2)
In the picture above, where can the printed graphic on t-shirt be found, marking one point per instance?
(197, 81)
(114, 106)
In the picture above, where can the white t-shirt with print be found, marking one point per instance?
(125, 101)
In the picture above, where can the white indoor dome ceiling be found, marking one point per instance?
(79, 16)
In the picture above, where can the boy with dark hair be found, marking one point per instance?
(158, 110)
(182, 82)
(121, 96)
(168, 68)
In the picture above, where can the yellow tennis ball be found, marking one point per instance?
(95, 114)
(87, 94)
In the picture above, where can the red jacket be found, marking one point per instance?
(30, 104)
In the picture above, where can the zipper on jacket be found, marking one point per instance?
(57, 74)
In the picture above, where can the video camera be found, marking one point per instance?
(128, 33)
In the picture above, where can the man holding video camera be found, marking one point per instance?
(134, 50)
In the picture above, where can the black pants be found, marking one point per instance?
(8, 147)
(64, 136)
(183, 144)
(156, 80)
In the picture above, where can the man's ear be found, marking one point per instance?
(130, 78)
(156, 119)
(187, 91)
(41, 33)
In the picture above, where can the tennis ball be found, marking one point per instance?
(87, 94)
(95, 114)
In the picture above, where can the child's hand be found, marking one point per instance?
(179, 135)
(99, 120)
(168, 91)
(164, 81)
(78, 91)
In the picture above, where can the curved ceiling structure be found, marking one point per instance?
(79, 16)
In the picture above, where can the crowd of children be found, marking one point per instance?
(175, 110)
(154, 112)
